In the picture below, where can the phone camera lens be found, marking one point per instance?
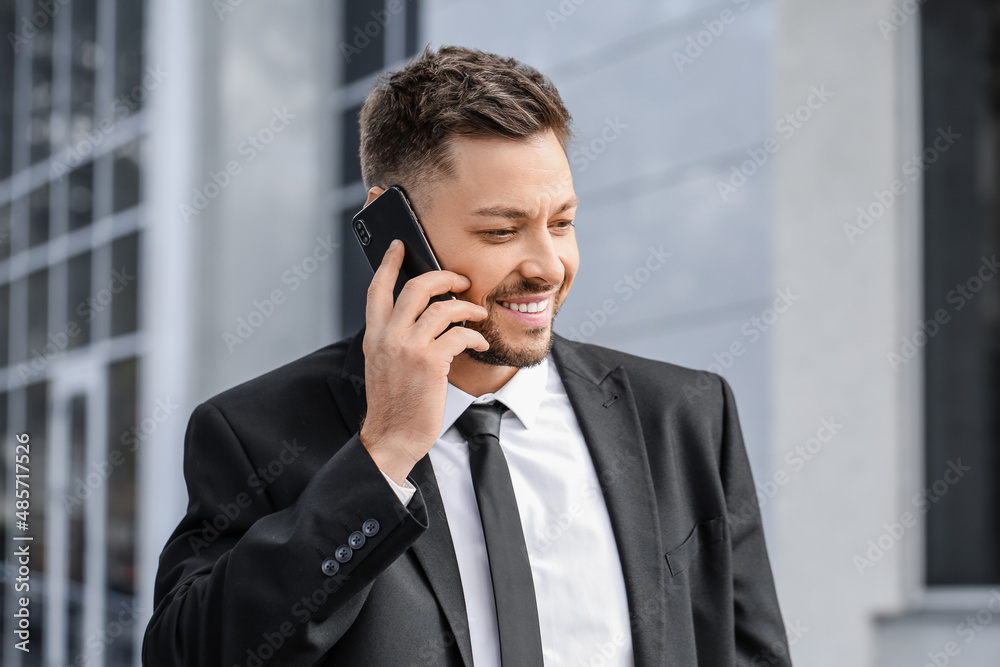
(362, 231)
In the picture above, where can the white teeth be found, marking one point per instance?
(532, 307)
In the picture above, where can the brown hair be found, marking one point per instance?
(410, 115)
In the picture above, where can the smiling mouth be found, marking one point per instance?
(528, 307)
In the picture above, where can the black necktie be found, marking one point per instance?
(513, 589)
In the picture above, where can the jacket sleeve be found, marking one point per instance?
(240, 583)
(759, 630)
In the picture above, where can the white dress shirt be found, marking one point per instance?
(579, 586)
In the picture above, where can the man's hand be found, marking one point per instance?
(407, 360)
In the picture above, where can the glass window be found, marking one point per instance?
(7, 27)
(40, 128)
(5, 230)
(363, 40)
(16, 352)
(81, 196)
(4, 323)
(85, 60)
(38, 216)
(125, 278)
(80, 308)
(58, 102)
(126, 434)
(38, 314)
(36, 425)
(128, 50)
(6, 478)
(350, 164)
(412, 27)
(126, 177)
(77, 526)
(961, 294)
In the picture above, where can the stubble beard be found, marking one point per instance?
(501, 353)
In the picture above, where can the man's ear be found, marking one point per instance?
(373, 192)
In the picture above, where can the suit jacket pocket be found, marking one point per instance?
(703, 534)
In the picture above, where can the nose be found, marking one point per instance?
(541, 259)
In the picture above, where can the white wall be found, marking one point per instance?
(829, 357)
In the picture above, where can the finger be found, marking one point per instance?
(419, 290)
(440, 314)
(458, 339)
(378, 308)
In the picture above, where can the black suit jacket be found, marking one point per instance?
(278, 479)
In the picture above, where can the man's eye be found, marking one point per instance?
(563, 224)
(499, 233)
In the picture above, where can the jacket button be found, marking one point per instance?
(370, 527)
(343, 553)
(356, 540)
(330, 567)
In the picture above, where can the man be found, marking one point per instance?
(350, 507)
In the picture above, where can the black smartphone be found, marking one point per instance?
(390, 216)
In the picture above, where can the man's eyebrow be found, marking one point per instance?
(512, 213)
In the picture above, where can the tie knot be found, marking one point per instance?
(481, 419)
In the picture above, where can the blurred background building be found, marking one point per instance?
(799, 195)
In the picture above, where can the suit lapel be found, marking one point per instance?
(605, 407)
(434, 550)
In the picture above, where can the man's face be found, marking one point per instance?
(505, 221)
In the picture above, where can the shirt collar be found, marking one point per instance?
(522, 394)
